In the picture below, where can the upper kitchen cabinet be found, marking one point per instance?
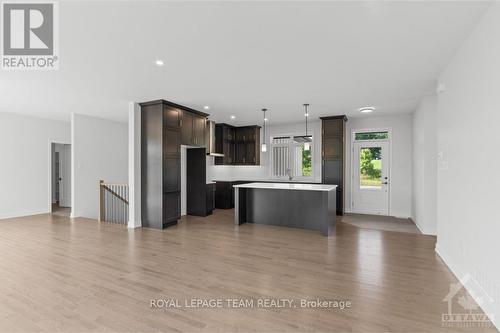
(240, 145)
(252, 145)
(333, 155)
(247, 145)
(224, 143)
(187, 128)
(199, 128)
(193, 127)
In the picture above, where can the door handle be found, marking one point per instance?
(385, 183)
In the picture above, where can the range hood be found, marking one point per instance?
(210, 140)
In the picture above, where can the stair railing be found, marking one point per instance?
(113, 202)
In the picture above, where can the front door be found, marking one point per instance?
(371, 177)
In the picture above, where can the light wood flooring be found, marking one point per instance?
(77, 275)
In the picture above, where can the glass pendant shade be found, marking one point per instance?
(307, 146)
(264, 148)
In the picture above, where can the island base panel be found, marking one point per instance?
(314, 210)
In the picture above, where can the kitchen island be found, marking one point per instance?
(307, 206)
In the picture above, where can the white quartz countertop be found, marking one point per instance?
(283, 186)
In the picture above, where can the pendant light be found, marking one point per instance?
(305, 139)
(264, 146)
(307, 146)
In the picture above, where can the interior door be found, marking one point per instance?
(65, 176)
(371, 178)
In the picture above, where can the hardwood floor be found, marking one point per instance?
(63, 275)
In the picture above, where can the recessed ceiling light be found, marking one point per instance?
(159, 63)
(206, 107)
(233, 117)
(367, 109)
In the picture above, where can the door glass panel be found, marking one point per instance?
(370, 168)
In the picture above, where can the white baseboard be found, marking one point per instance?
(418, 226)
(459, 273)
(422, 229)
(23, 214)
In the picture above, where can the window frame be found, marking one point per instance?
(291, 146)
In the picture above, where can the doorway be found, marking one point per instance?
(60, 178)
(370, 168)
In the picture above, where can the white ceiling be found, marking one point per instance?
(238, 57)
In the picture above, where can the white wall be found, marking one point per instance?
(25, 152)
(263, 172)
(401, 159)
(100, 151)
(134, 165)
(424, 184)
(468, 229)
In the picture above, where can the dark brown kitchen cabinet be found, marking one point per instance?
(187, 131)
(193, 128)
(210, 205)
(225, 143)
(247, 145)
(199, 128)
(162, 133)
(252, 146)
(240, 145)
(224, 194)
(333, 155)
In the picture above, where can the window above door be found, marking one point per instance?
(370, 136)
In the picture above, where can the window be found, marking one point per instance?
(289, 157)
(371, 136)
(370, 167)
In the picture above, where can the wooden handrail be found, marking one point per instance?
(113, 184)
